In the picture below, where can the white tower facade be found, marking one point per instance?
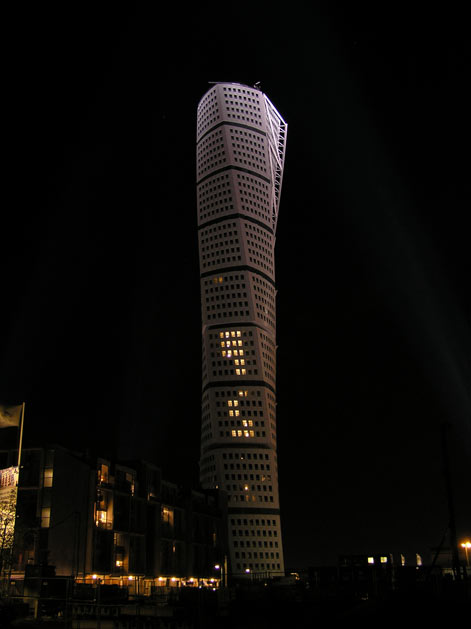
(241, 142)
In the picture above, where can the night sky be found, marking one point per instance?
(100, 328)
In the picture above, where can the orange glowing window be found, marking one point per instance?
(48, 477)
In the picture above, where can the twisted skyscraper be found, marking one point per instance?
(240, 156)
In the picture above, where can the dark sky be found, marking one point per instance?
(100, 329)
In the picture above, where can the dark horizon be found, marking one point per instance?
(101, 323)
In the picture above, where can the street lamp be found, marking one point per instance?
(223, 568)
(220, 568)
(466, 545)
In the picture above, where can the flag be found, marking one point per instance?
(10, 415)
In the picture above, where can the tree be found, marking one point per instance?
(7, 530)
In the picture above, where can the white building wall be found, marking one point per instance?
(240, 154)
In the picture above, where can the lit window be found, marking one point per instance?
(229, 354)
(101, 516)
(239, 343)
(236, 413)
(45, 517)
(233, 333)
(383, 559)
(227, 334)
(103, 473)
(244, 371)
(238, 332)
(231, 413)
(130, 480)
(167, 515)
(237, 372)
(48, 476)
(229, 402)
(371, 560)
(234, 433)
(221, 335)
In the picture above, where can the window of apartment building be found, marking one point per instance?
(45, 517)
(103, 473)
(48, 475)
(167, 516)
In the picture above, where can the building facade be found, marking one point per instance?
(241, 142)
(90, 518)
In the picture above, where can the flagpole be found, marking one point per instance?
(21, 434)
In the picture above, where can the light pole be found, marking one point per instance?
(220, 568)
(466, 545)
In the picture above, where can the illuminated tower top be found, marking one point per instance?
(239, 105)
